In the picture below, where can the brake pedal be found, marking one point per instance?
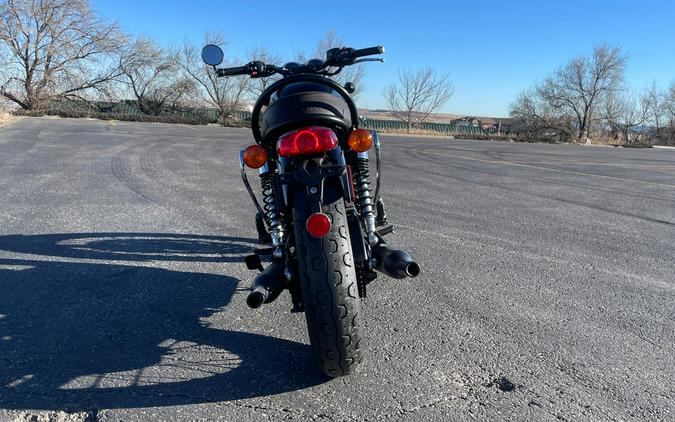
(253, 262)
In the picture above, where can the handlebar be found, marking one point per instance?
(233, 71)
(369, 51)
(335, 58)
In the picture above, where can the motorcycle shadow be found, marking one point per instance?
(81, 335)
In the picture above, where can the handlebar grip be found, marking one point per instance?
(369, 51)
(233, 71)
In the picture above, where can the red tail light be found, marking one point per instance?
(307, 141)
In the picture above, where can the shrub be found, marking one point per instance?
(79, 114)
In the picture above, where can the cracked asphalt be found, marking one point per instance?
(547, 286)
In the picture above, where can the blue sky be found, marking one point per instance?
(491, 49)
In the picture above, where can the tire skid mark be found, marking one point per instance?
(567, 201)
(527, 193)
(578, 173)
(503, 156)
(122, 170)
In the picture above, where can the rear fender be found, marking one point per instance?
(315, 181)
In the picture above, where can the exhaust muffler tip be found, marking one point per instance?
(394, 263)
(412, 269)
(267, 286)
(255, 299)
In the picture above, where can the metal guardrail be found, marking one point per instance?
(445, 128)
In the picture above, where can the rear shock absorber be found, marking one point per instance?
(364, 202)
(271, 213)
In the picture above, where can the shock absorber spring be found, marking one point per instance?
(271, 213)
(363, 201)
(267, 186)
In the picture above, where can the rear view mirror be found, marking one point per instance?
(212, 55)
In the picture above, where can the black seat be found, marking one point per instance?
(304, 87)
(304, 103)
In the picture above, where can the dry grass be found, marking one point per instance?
(437, 134)
(414, 132)
(5, 117)
(640, 142)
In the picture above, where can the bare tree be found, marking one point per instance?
(578, 86)
(669, 104)
(256, 86)
(526, 114)
(623, 113)
(534, 118)
(153, 76)
(573, 92)
(655, 99)
(225, 94)
(669, 101)
(417, 95)
(54, 49)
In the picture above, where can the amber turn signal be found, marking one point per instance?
(360, 140)
(255, 156)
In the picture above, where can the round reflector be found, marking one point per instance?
(255, 156)
(318, 224)
(360, 140)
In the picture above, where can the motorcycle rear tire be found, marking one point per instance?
(329, 291)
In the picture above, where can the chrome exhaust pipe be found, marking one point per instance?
(267, 286)
(394, 263)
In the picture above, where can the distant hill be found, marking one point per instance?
(436, 118)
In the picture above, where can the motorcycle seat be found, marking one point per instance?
(304, 104)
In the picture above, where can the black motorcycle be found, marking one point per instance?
(323, 227)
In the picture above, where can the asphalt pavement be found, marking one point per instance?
(547, 289)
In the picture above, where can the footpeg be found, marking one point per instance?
(383, 231)
(381, 219)
(253, 262)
